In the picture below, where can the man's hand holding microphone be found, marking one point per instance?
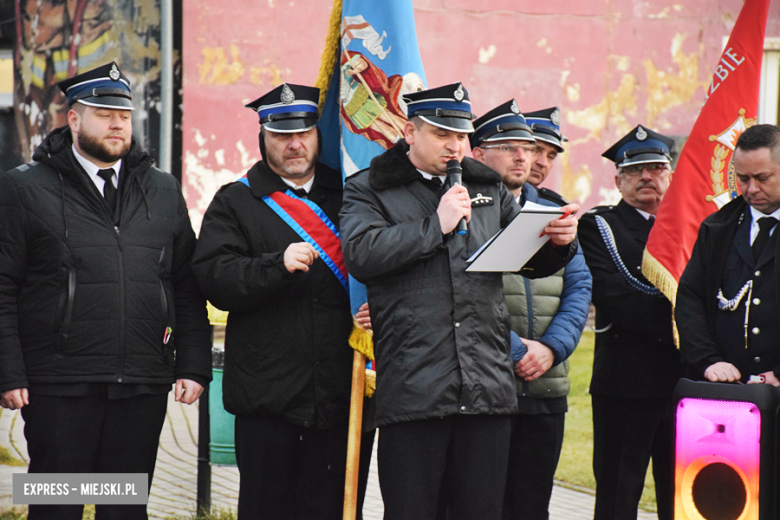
(455, 205)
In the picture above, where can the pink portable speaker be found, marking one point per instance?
(725, 460)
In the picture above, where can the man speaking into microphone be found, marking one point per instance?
(445, 385)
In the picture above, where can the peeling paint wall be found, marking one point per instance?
(234, 53)
(609, 64)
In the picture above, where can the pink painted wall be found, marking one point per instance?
(610, 65)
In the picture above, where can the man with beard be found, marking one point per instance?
(269, 253)
(445, 385)
(547, 317)
(99, 310)
(636, 364)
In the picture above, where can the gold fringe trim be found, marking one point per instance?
(330, 53)
(216, 316)
(370, 382)
(362, 340)
(660, 276)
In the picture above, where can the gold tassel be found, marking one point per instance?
(330, 53)
(216, 316)
(660, 276)
(362, 340)
(370, 382)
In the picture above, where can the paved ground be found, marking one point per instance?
(174, 488)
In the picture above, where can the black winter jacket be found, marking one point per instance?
(286, 345)
(441, 335)
(84, 301)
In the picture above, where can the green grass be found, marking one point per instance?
(576, 465)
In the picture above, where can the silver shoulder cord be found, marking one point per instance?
(609, 242)
(732, 304)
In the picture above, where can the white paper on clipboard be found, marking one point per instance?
(511, 248)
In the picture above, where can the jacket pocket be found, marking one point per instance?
(66, 309)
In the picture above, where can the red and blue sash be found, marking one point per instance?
(312, 225)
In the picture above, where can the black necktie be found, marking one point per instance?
(434, 183)
(300, 193)
(765, 224)
(109, 190)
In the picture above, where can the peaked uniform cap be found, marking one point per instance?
(641, 146)
(288, 108)
(103, 87)
(446, 107)
(503, 123)
(546, 125)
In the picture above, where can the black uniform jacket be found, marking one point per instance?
(86, 297)
(635, 354)
(441, 335)
(697, 302)
(286, 345)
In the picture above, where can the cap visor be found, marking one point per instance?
(645, 158)
(114, 103)
(288, 126)
(454, 124)
(549, 139)
(510, 135)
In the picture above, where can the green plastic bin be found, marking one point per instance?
(222, 448)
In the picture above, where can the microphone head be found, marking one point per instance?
(453, 166)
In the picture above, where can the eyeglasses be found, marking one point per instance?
(511, 149)
(634, 170)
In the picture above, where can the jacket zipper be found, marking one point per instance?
(68, 311)
(164, 302)
(120, 263)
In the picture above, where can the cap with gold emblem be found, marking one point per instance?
(503, 123)
(288, 108)
(446, 107)
(546, 125)
(641, 146)
(103, 87)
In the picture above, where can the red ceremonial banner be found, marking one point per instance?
(704, 177)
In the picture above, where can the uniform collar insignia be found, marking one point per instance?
(481, 199)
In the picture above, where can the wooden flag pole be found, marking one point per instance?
(354, 436)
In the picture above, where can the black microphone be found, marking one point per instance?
(455, 176)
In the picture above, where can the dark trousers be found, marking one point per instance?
(93, 434)
(534, 451)
(469, 452)
(288, 471)
(626, 434)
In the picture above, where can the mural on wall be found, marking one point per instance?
(58, 39)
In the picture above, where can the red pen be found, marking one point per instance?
(566, 214)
